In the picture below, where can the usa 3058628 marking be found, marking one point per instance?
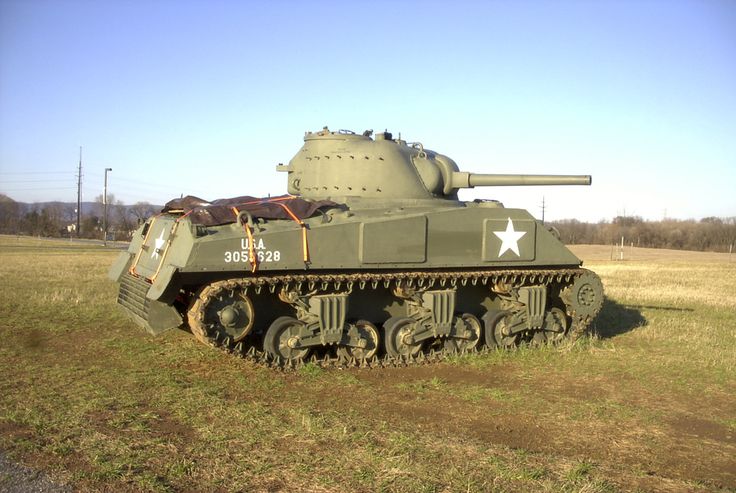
(262, 253)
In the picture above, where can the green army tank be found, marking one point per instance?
(370, 256)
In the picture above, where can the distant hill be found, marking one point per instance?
(88, 208)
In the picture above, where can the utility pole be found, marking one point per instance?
(104, 215)
(543, 207)
(79, 192)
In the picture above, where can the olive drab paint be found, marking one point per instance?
(394, 265)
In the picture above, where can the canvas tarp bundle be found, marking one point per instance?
(222, 211)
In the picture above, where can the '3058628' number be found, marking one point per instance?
(262, 255)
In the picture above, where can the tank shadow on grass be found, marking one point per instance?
(615, 319)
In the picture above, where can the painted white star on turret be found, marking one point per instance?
(158, 243)
(509, 239)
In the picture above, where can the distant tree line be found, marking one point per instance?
(712, 234)
(59, 219)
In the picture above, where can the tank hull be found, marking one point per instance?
(459, 237)
(457, 255)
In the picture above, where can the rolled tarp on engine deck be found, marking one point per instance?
(220, 211)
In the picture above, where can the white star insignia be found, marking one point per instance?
(159, 242)
(509, 239)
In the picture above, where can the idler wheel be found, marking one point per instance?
(586, 295)
(282, 339)
(400, 337)
(367, 333)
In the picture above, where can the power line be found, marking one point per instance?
(30, 181)
(142, 183)
(34, 189)
(33, 172)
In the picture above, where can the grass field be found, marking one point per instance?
(648, 403)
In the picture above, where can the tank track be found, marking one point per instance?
(581, 316)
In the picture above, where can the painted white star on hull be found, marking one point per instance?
(158, 243)
(509, 239)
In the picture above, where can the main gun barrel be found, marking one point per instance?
(479, 180)
(462, 179)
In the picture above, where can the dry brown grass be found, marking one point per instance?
(609, 253)
(646, 404)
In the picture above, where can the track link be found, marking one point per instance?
(580, 313)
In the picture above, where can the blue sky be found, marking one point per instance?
(639, 94)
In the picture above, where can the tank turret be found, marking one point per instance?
(344, 164)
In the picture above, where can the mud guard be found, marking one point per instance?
(161, 317)
(153, 315)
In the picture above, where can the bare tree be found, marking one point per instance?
(142, 211)
(708, 234)
(10, 215)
